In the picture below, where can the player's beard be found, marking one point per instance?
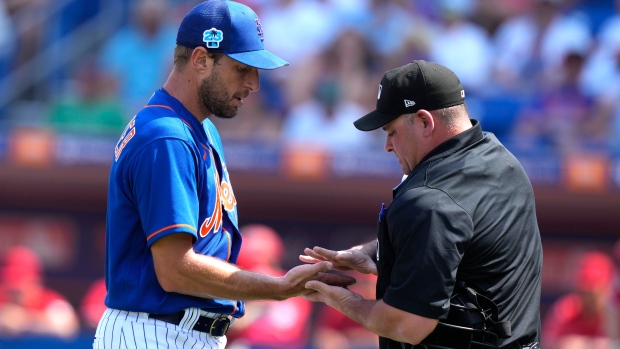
(214, 99)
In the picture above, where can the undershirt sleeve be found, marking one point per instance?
(429, 233)
(164, 185)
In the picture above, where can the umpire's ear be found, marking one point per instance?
(427, 120)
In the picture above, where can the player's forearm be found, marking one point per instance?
(209, 277)
(179, 269)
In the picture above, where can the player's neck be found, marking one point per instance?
(184, 90)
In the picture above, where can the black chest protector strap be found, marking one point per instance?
(472, 323)
(489, 310)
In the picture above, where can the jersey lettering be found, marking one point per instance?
(214, 223)
(126, 136)
(228, 198)
(225, 198)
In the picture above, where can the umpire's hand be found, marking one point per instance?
(295, 279)
(356, 259)
(336, 297)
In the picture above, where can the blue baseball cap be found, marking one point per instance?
(230, 28)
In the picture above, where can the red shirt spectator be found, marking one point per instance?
(26, 305)
(92, 306)
(269, 324)
(576, 320)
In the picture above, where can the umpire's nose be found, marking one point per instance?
(388, 143)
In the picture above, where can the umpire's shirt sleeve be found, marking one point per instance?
(429, 233)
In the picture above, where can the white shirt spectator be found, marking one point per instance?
(516, 40)
(297, 29)
(308, 123)
(602, 71)
(7, 38)
(601, 76)
(466, 49)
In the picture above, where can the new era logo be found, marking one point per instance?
(409, 103)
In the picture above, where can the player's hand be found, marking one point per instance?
(352, 259)
(295, 279)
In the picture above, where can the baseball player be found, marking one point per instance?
(172, 234)
(458, 251)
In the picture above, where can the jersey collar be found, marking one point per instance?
(162, 97)
(456, 143)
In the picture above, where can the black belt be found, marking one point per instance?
(216, 327)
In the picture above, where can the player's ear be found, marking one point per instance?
(201, 61)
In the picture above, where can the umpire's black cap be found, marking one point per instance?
(414, 86)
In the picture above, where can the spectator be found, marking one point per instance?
(529, 46)
(138, 56)
(7, 40)
(603, 65)
(312, 30)
(268, 324)
(31, 31)
(562, 117)
(325, 118)
(394, 30)
(27, 307)
(491, 13)
(92, 108)
(456, 35)
(324, 121)
(351, 61)
(612, 314)
(576, 320)
(300, 42)
(258, 122)
(92, 306)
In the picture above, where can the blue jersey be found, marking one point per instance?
(168, 176)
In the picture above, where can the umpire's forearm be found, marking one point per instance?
(388, 322)
(369, 248)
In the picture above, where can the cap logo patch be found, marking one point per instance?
(409, 103)
(259, 28)
(379, 95)
(213, 37)
(462, 93)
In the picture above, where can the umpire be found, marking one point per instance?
(458, 252)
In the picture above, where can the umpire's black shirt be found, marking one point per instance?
(465, 212)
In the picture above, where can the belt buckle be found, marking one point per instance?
(216, 323)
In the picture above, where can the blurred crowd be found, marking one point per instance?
(30, 309)
(540, 74)
(585, 315)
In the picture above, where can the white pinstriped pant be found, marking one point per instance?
(119, 329)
